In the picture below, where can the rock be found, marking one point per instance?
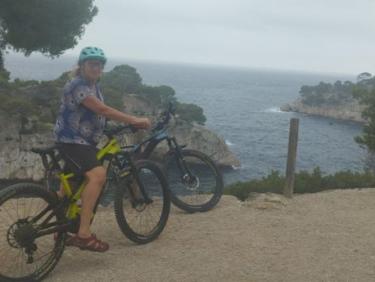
(265, 201)
(199, 138)
(349, 112)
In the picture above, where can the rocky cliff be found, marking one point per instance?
(17, 162)
(28, 109)
(350, 112)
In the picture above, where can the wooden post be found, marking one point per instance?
(292, 156)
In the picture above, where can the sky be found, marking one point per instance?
(322, 35)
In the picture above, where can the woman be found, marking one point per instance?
(78, 129)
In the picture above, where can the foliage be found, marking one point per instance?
(41, 99)
(190, 112)
(327, 94)
(365, 93)
(48, 26)
(305, 182)
(336, 94)
(340, 93)
(123, 79)
(4, 78)
(272, 183)
(158, 95)
(364, 76)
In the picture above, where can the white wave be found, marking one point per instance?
(236, 167)
(274, 110)
(228, 143)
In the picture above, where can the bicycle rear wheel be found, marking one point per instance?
(23, 207)
(142, 216)
(195, 182)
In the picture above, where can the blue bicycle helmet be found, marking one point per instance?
(94, 53)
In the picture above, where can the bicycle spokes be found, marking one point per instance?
(190, 180)
(143, 204)
(23, 252)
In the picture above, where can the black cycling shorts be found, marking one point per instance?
(79, 158)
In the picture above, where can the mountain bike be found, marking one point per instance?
(195, 181)
(34, 221)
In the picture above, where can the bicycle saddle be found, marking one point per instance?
(45, 150)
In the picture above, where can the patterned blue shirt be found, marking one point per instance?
(75, 123)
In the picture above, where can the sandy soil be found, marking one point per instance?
(328, 236)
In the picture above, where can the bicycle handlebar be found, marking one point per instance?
(166, 116)
(110, 132)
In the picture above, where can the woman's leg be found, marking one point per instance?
(96, 179)
(61, 192)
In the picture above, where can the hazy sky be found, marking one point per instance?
(320, 35)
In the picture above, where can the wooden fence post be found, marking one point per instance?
(292, 156)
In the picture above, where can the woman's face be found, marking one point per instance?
(92, 69)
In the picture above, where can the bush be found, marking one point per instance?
(272, 183)
(190, 113)
(305, 182)
(123, 78)
(158, 95)
(327, 94)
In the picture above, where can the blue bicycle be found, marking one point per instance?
(195, 181)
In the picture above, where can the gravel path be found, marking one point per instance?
(328, 236)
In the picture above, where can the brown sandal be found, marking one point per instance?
(90, 244)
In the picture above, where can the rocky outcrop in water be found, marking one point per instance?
(349, 112)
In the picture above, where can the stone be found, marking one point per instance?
(265, 201)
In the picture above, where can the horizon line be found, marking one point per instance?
(195, 64)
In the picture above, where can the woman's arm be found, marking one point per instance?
(95, 105)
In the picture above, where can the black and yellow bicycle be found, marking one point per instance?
(34, 222)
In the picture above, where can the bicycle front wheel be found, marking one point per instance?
(142, 202)
(195, 182)
(25, 208)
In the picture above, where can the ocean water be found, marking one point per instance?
(242, 106)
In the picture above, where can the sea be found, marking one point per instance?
(242, 105)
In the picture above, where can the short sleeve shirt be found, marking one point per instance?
(75, 123)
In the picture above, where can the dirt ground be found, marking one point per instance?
(328, 236)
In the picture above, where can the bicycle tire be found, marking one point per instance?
(34, 191)
(120, 199)
(180, 191)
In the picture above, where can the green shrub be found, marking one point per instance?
(123, 78)
(305, 182)
(190, 113)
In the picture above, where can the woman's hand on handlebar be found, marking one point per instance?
(141, 123)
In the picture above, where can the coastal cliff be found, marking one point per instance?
(348, 112)
(335, 100)
(28, 111)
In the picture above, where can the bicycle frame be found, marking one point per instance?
(111, 148)
(159, 136)
(152, 142)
